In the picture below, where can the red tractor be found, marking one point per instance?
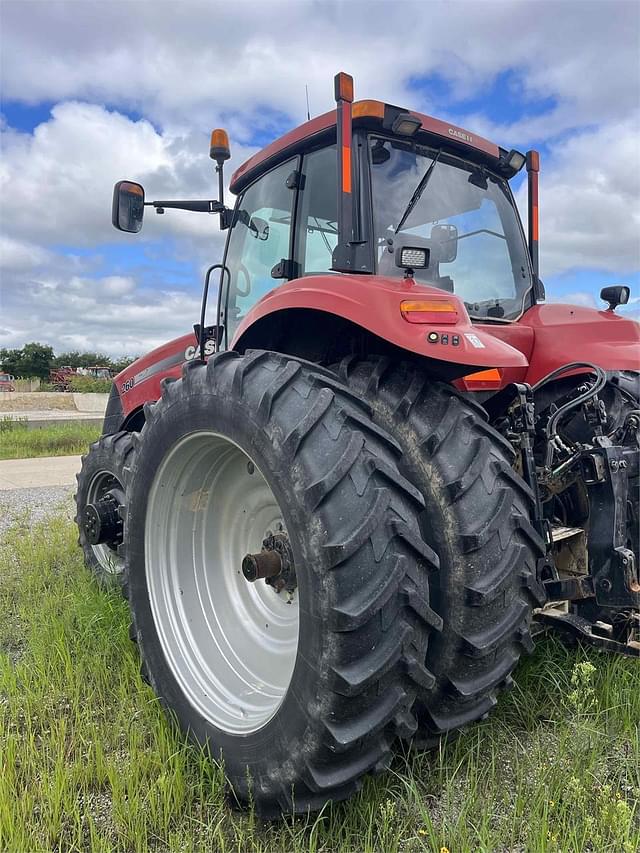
(96, 371)
(61, 377)
(341, 511)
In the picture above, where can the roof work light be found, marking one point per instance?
(405, 124)
(511, 162)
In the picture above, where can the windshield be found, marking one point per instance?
(463, 215)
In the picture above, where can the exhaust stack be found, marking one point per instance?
(533, 171)
(342, 254)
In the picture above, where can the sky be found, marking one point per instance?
(93, 92)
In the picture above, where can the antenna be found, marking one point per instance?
(306, 88)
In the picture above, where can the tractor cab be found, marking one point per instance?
(98, 372)
(403, 196)
(369, 189)
(424, 210)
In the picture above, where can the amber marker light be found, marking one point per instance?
(344, 87)
(490, 375)
(219, 149)
(131, 188)
(440, 311)
(368, 109)
(483, 379)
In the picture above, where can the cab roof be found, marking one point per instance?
(374, 114)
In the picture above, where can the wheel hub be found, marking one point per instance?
(101, 520)
(274, 563)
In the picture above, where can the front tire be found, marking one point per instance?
(102, 476)
(301, 707)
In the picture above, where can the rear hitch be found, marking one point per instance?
(615, 574)
(602, 635)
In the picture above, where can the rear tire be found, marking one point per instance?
(477, 519)
(361, 566)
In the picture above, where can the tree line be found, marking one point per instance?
(35, 360)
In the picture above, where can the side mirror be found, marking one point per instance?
(445, 238)
(128, 206)
(617, 294)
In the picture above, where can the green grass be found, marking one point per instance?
(18, 442)
(89, 762)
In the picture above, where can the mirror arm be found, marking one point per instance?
(204, 206)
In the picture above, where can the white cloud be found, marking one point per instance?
(20, 254)
(57, 182)
(184, 63)
(194, 66)
(578, 297)
(590, 202)
(117, 285)
(56, 188)
(111, 314)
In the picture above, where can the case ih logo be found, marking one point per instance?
(460, 134)
(191, 352)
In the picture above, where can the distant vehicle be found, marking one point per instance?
(96, 372)
(7, 382)
(60, 377)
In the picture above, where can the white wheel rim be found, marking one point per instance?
(108, 558)
(230, 644)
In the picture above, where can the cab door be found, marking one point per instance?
(260, 239)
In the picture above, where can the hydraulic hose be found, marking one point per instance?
(551, 426)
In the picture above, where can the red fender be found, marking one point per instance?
(545, 337)
(373, 302)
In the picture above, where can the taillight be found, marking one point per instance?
(440, 311)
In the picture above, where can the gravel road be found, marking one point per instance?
(35, 503)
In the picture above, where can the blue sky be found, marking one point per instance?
(97, 91)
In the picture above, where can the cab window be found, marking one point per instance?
(259, 239)
(317, 225)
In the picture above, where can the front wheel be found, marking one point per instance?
(276, 576)
(99, 499)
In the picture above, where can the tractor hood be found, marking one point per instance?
(564, 333)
